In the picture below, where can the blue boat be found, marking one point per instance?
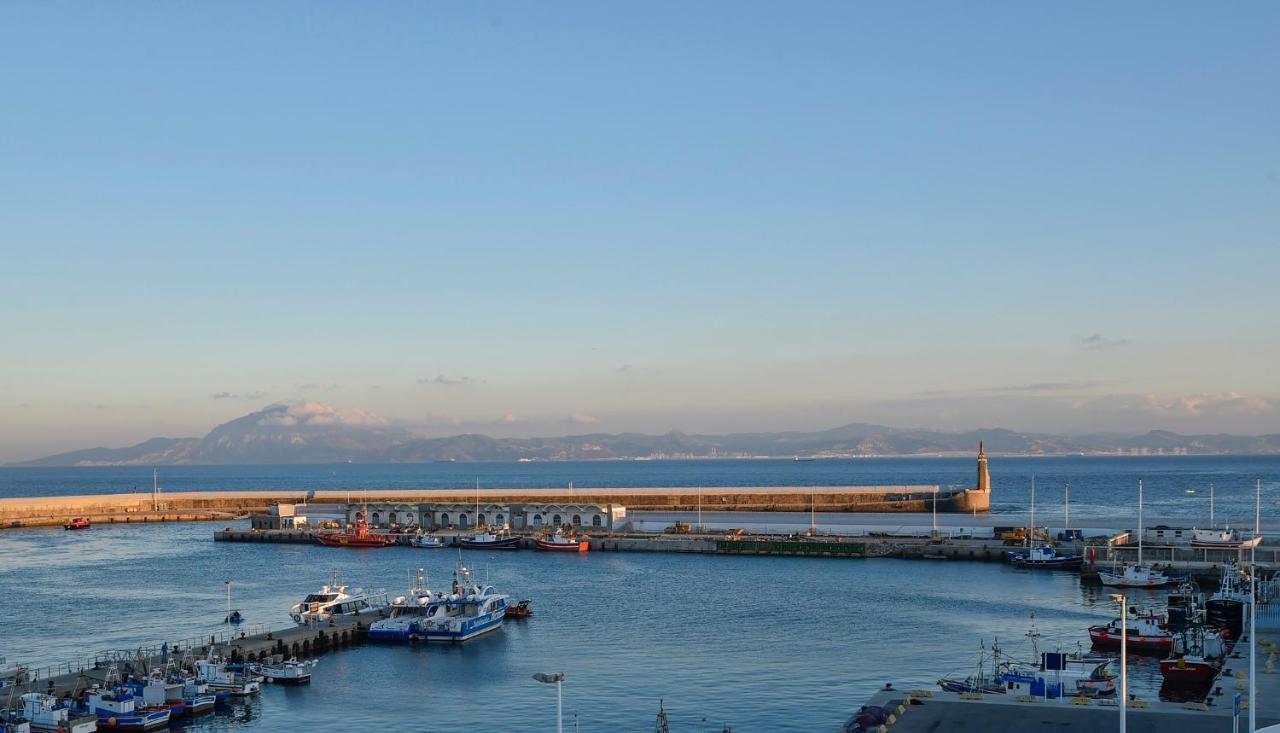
(470, 610)
(1044, 557)
(120, 709)
(490, 541)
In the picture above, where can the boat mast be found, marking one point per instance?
(477, 503)
(1066, 505)
(1031, 531)
(155, 490)
(228, 599)
(1139, 521)
(813, 509)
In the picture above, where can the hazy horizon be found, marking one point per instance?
(573, 217)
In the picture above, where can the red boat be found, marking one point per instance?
(519, 610)
(558, 542)
(1189, 670)
(357, 536)
(1144, 635)
(77, 523)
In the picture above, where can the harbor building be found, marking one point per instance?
(458, 515)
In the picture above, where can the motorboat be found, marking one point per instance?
(330, 601)
(560, 542)
(198, 697)
(286, 672)
(523, 609)
(357, 535)
(1227, 538)
(404, 613)
(120, 709)
(1144, 633)
(220, 679)
(45, 712)
(77, 523)
(1044, 557)
(1134, 576)
(427, 541)
(468, 611)
(498, 540)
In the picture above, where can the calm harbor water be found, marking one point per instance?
(1100, 486)
(764, 644)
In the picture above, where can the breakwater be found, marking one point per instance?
(169, 506)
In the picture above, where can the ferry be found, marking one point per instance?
(77, 523)
(121, 710)
(45, 712)
(469, 611)
(357, 536)
(331, 600)
(559, 542)
(490, 541)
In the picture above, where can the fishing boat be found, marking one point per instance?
(1226, 538)
(490, 541)
(77, 523)
(470, 610)
(198, 697)
(1145, 634)
(219, 678)
(286, 672)
(405, 612)
(120, 709)
(1200, 659)
(330, 601)
(427, 542)
(523, 609)
(357, 536)
(1044, 557)
(560, 542)
(45, 712)
(1226, 607)
(979, 682)
(16, 724)
(1135, 575)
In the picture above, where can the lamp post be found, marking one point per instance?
(1124, 657)
(558, 679)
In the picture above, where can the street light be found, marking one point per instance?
(558, 679)
(1124, 657)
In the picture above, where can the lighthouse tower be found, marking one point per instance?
(984, 477)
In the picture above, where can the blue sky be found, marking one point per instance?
(706, 216)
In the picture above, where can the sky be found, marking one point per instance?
(545, 218)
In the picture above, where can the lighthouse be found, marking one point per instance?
(984, 477)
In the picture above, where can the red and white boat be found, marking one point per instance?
(559, 542)
(358, 535)
(77, 523)
(1202, 661)
(1145, 633)
(1222, 538)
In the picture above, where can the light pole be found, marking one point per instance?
(1124, 657)
(558, 679)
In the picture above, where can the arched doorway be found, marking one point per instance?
(480, 519)
(555, 521)
(375, 519)
(444, 519)
(595, 521)
(537, 520)
(498, 520)
(462, 521)
(391, 517)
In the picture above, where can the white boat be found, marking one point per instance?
(427, 541)
(220, 679)
(331, 600)
(119, 708)
(468, 611)
(45, 712)
(286, 672)
(406, 612)
(16, 724)
(1139, 574)
(1222, 538)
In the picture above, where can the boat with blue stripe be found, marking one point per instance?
(467, 611)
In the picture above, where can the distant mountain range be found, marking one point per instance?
(285, 434)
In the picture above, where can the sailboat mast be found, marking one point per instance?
(477, 502)
(1066, 505)
(228, 599)
(1139, 521)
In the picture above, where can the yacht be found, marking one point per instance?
(331, 600)
(406, 612)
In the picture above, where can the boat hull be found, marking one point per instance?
(1184, 671)
(354, 542)
(1105, 637)
(579, 546)
(469, 630)
(1057, 563)
(507, 543)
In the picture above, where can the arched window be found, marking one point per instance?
(498, 520)
(444, 519)
(375, 519)
(391, 518)
(462, 521)
(595, 521)
(555, 521)
(577, 520)
(537, 520)
(480, 519)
